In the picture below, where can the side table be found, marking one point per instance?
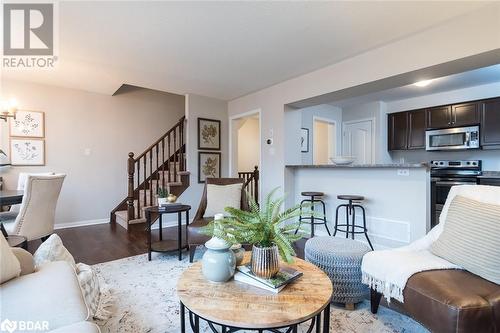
(167, 245)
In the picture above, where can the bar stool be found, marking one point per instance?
(350, 210)
(315, 197)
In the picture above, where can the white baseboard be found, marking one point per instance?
(80, 223)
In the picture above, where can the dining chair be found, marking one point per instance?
(37, 212)
(21, 182)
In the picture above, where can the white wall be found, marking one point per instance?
(477, 32)
(490, 158)
(324, 111)
(204, 107)
(109, 126)
(248, 144)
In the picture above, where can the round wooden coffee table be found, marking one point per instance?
(233, 306)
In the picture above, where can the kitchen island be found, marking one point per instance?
(397, 197)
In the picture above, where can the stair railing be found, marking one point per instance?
(251, 179)
(167, 154)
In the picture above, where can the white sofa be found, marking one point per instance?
(50, 294)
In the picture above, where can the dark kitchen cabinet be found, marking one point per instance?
(416, 129)
(464, 114)
(439, 117)
(490, 123)
(398, 131)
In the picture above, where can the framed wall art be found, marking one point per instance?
(209, 165)
(304, 140)
(29, 124)
(27, 151)
(209, 134)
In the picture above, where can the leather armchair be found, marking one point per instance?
(195, 236)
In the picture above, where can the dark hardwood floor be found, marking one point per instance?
(106, 242)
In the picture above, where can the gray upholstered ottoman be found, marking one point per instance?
(340, 258)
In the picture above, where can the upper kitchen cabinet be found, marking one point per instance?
(439, 117)
(416, 129)
(406, 130)
(456, 115)
(490, 123)
(398, 131)
(464, 114)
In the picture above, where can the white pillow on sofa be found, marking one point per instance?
(9, 265)
(222, 196)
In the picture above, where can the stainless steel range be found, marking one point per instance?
(444, 175)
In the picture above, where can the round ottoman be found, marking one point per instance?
(340, 258)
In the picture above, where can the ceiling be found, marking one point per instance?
(485, 75)
(222, 49)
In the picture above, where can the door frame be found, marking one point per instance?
(349, 122)
(233, 153)
(325, 120)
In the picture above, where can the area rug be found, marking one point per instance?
(146, 301)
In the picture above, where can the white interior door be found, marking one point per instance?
(358, 141)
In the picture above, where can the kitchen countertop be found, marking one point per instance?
(490, 174)
(333, 166)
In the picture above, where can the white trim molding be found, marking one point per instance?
(80, 223)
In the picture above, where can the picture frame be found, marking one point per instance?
(304, 140)
(209, 136)
(209, 165)
(27, 152)
(28, 124)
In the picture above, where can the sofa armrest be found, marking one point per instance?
(25, 259)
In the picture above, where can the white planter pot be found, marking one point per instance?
(162, 201)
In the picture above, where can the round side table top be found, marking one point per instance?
(173, 208)
(241, 305)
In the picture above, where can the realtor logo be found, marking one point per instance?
(28, 35)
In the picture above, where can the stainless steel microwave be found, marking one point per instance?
(452, 138)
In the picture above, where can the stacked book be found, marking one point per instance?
(275, 284)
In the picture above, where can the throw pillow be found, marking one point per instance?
(9, 265)
(52, 250)
(98, 298)
(470, 237)
(222, 196)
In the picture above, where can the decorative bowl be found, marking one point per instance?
(342, 160)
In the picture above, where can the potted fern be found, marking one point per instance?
(264, 228)
(162, 194)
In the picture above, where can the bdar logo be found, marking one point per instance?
(28, 29)
(8, 326)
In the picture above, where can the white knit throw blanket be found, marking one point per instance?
(387, 271)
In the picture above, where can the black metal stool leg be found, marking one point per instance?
(347, 212)
(336, 220)
(324, 217)
(312, 217)
(364, 226)
(300, 216)
(353, 227)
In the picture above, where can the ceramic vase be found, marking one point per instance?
(219, 262)
(265, 261)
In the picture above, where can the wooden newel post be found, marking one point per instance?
(256, 183)
(130, 195)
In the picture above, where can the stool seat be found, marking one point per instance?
(312, 194)
(350, 197)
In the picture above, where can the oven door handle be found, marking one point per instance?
(454, 183)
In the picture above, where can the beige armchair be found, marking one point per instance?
(37, 212)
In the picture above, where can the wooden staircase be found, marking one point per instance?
(161, 165)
